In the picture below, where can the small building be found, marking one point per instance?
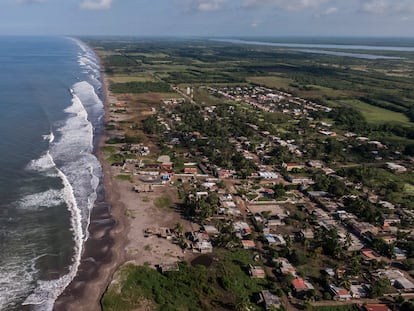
(375, 307)
(269, 300)
(301, 285)
(242, 228)
(315, 164)
(404, 284)
(190, 170)
(285, 266)
(359, 291)
(248, 244)
(339, 292)
(293, 166)
(166, 267)
(204, 247)
(306, 234)
(400, 254)
(257, 272)
(211, 230)
(396, 168)
(369, 254)
(167, 166)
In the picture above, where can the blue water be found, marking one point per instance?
(318, 48)
(50, 114)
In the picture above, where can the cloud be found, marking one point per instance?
(203, 5)
(330, 11)
(388, 7)
(212, 5)
(96, 4)
(290, 5)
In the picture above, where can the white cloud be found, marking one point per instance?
(330, 11)
(203, 5)
(290, 5)
(96, 4)
(388, 7)
(210, 5)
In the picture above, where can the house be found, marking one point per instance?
(328, 133)
(269, 300)
(242, 228)
(374, 307)
(268, 175)
(404, 284)
(306, 234)
(359, 291)
(275, 239)
(285, 266)
(204, 247)
(315, 164)
(339, 292)
(168, 267)
(166, 166)
(190, 170)
(400, 254)
(361, 228)
(222, 173)
(369, 254)
(211, 230)
(293, 166)
(301, 285)
(248, 244)
(257, 272)
(397, 279)
(273, 224)
(300, 180)
(396, 168)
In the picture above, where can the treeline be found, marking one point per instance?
(140, 87)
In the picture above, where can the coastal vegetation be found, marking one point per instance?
(223, 284)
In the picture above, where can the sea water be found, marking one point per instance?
(50, 114)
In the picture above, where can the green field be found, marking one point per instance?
(144, 77)
(271, 81)
(375, 114)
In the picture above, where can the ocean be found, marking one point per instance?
(51, 105)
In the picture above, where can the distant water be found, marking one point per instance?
(51, 108)
(318, 48)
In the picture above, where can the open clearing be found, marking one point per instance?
(376, 114)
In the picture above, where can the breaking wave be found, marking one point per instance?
(70, 157)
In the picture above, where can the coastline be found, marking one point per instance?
(104, 248)
(117, 224)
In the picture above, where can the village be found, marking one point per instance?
(301, 217)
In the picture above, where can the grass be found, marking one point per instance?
(272, 81)
(132, 78)
(409, 188)
(109, 149)
(123, 177)
(376, 114)
(191, 288)
(162, 202)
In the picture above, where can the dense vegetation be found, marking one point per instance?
(224, 284)
(139, 87)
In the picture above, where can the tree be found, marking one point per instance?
(378, 288)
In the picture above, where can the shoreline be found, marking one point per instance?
(104, 249)
(117, 224)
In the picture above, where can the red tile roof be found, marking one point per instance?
(376, 307)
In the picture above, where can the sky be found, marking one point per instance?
(208, 17)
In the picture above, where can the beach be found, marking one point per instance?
(116, 231)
